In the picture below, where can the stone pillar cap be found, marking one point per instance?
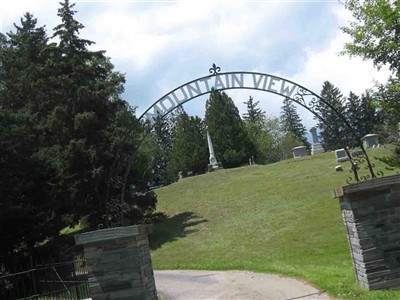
(371, 184)
(112, 234)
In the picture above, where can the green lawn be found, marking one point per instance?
(279, 218)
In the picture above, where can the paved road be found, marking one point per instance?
(173, 285)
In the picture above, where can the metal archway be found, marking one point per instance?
(243, 80)
(231, 80)
(255, 81)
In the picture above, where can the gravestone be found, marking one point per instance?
(370, 141)
(300, 151)
(356, 153)
(316, 147)
(341, 155)
(339, 168)
(214, 164)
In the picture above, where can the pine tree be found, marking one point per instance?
(231, 143)
(333, 131)
(291, 122)
(254, 114)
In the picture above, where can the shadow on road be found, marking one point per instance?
(177, 226)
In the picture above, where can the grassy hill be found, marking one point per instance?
(279, 218)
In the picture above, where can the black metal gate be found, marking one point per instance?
(64, 280)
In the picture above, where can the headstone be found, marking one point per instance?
(180, 175)
(357, 153)
(213, 165)
(370, 141)
(300, 151)
(338, 168)
(316, 147)
(341, 155)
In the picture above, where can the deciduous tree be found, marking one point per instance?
(375, 32)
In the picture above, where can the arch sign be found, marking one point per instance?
(254, 81)
(225, 81)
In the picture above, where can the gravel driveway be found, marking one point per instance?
(173, 285)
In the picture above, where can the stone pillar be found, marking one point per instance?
(119, 263)
(371, 214)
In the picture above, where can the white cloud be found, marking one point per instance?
(348, 74)
(163, 45)
(12, 11)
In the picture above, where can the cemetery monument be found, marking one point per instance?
(213, 165)
(316, 147)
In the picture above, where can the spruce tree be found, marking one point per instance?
(254, 114)
(291, 122)
(333, 131)
(26, 190)
(231, 143)
(361, 114)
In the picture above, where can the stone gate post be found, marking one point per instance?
(371, 215)
(119, 263)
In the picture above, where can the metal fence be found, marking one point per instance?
(65, 280)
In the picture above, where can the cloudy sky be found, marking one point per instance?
(160, 45)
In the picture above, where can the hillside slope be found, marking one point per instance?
(278, 218)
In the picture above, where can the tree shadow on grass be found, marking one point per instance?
(173, 228)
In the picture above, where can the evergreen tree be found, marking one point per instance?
(162, 137)
(85, 98)
(231, 143)
(254, 114)
(26, 190)
(189, 147)
(388, 101)
(23, 58)
(334, 133)
(361, 114)
(291, 122)
(65, 137)
(263, 142)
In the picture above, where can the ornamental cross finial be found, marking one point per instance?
(214, 69)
